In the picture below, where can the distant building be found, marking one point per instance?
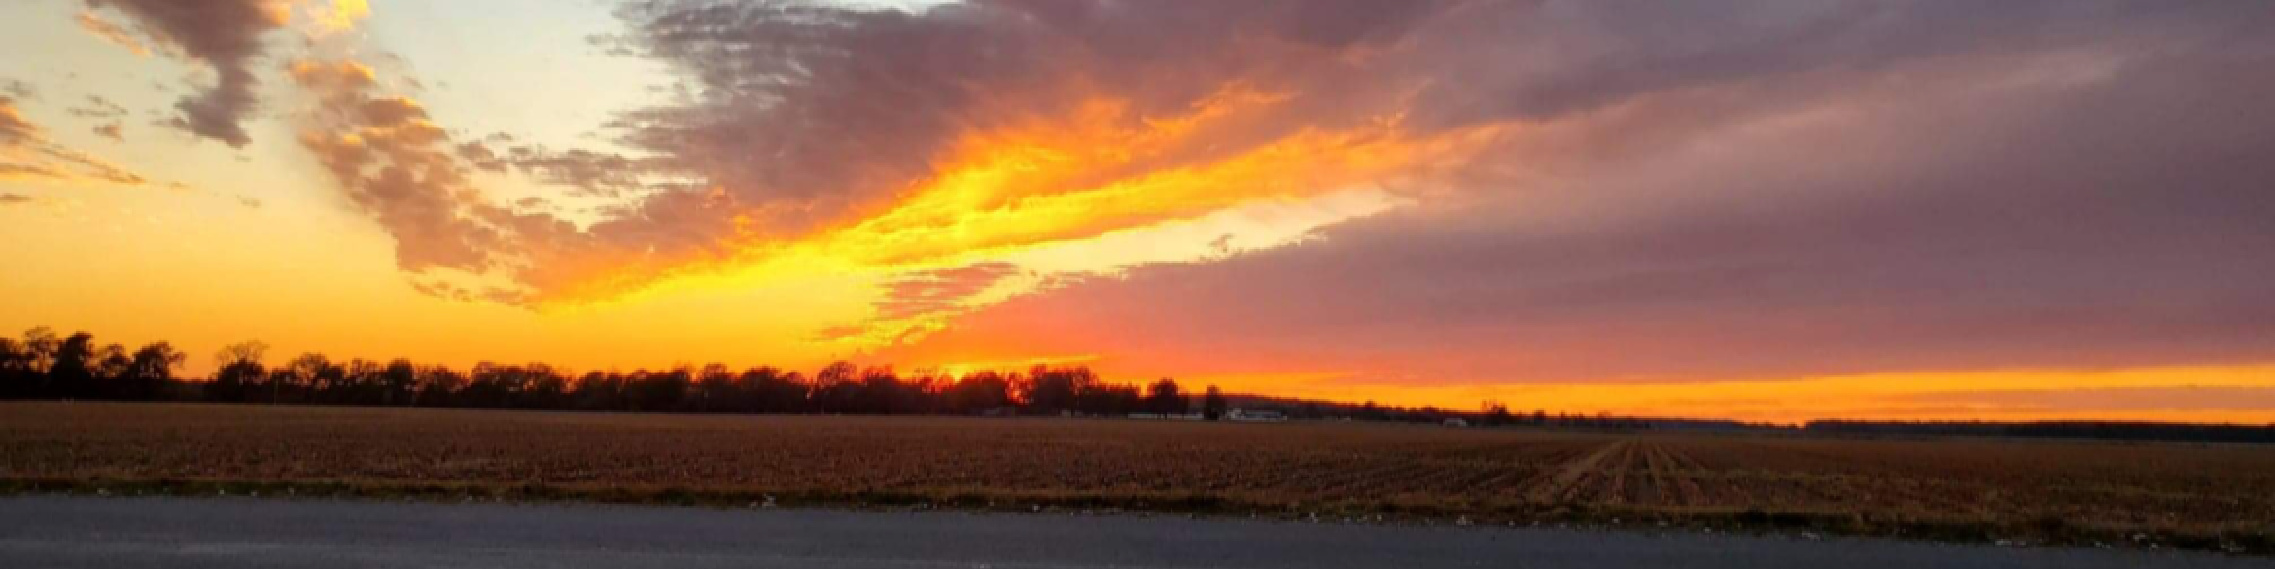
(1167, 416)
(1255, 415)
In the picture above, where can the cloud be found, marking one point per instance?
(809, 114)
(2048, 186)
(1574, 162)
(11, 199)
(915, 303)
(877, 155)
(94, 23)
(17, 89)
(396, 165)
(27, 153)
(933, 292)
(400, 167)
(586, 173)
(97, 107)
(225, 35)
(13, 126)
(114, 131)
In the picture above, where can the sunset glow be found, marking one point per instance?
(1560, 206)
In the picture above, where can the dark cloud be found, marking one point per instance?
(222, 34)
(1557, 58)
(821, 110)
(2085, 195)
(811, 112)
(805, 114)
(11, 199)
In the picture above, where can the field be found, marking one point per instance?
(2207, 496)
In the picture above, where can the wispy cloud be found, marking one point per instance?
(399, 166)
(26, 152)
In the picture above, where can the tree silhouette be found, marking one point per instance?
(1109, 400)
(979, 393)
(301, 378)
(398, 383)
(598, 391)
(881, 392)
(109, 369)
(1497, 413)
(1163, 397)
(150, 370)
(837, 388)
(46, 365)
(660, 391)
(72, 376)
(1212, 404)
(239, 372)
(1055, 390)
(40, 345)
(18, 378)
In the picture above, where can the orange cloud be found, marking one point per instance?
(398, 166)
(338, 16)
(27, 153)
(94, 23)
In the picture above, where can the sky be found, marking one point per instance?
(1771, 211)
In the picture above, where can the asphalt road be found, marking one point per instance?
(129, 533)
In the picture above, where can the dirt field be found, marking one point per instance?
(2208, 496)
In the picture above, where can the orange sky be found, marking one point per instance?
(1431, 205)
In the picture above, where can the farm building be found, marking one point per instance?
(1255, 415)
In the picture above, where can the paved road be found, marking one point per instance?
(130, 533)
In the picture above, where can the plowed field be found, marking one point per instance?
(2215, 495)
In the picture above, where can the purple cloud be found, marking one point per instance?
(225, 35)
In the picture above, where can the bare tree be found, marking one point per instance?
(237, 369)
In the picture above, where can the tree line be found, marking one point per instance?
(47, 365)
(2096, 430)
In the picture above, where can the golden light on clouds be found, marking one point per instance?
(1089, 193)
(337, 16)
